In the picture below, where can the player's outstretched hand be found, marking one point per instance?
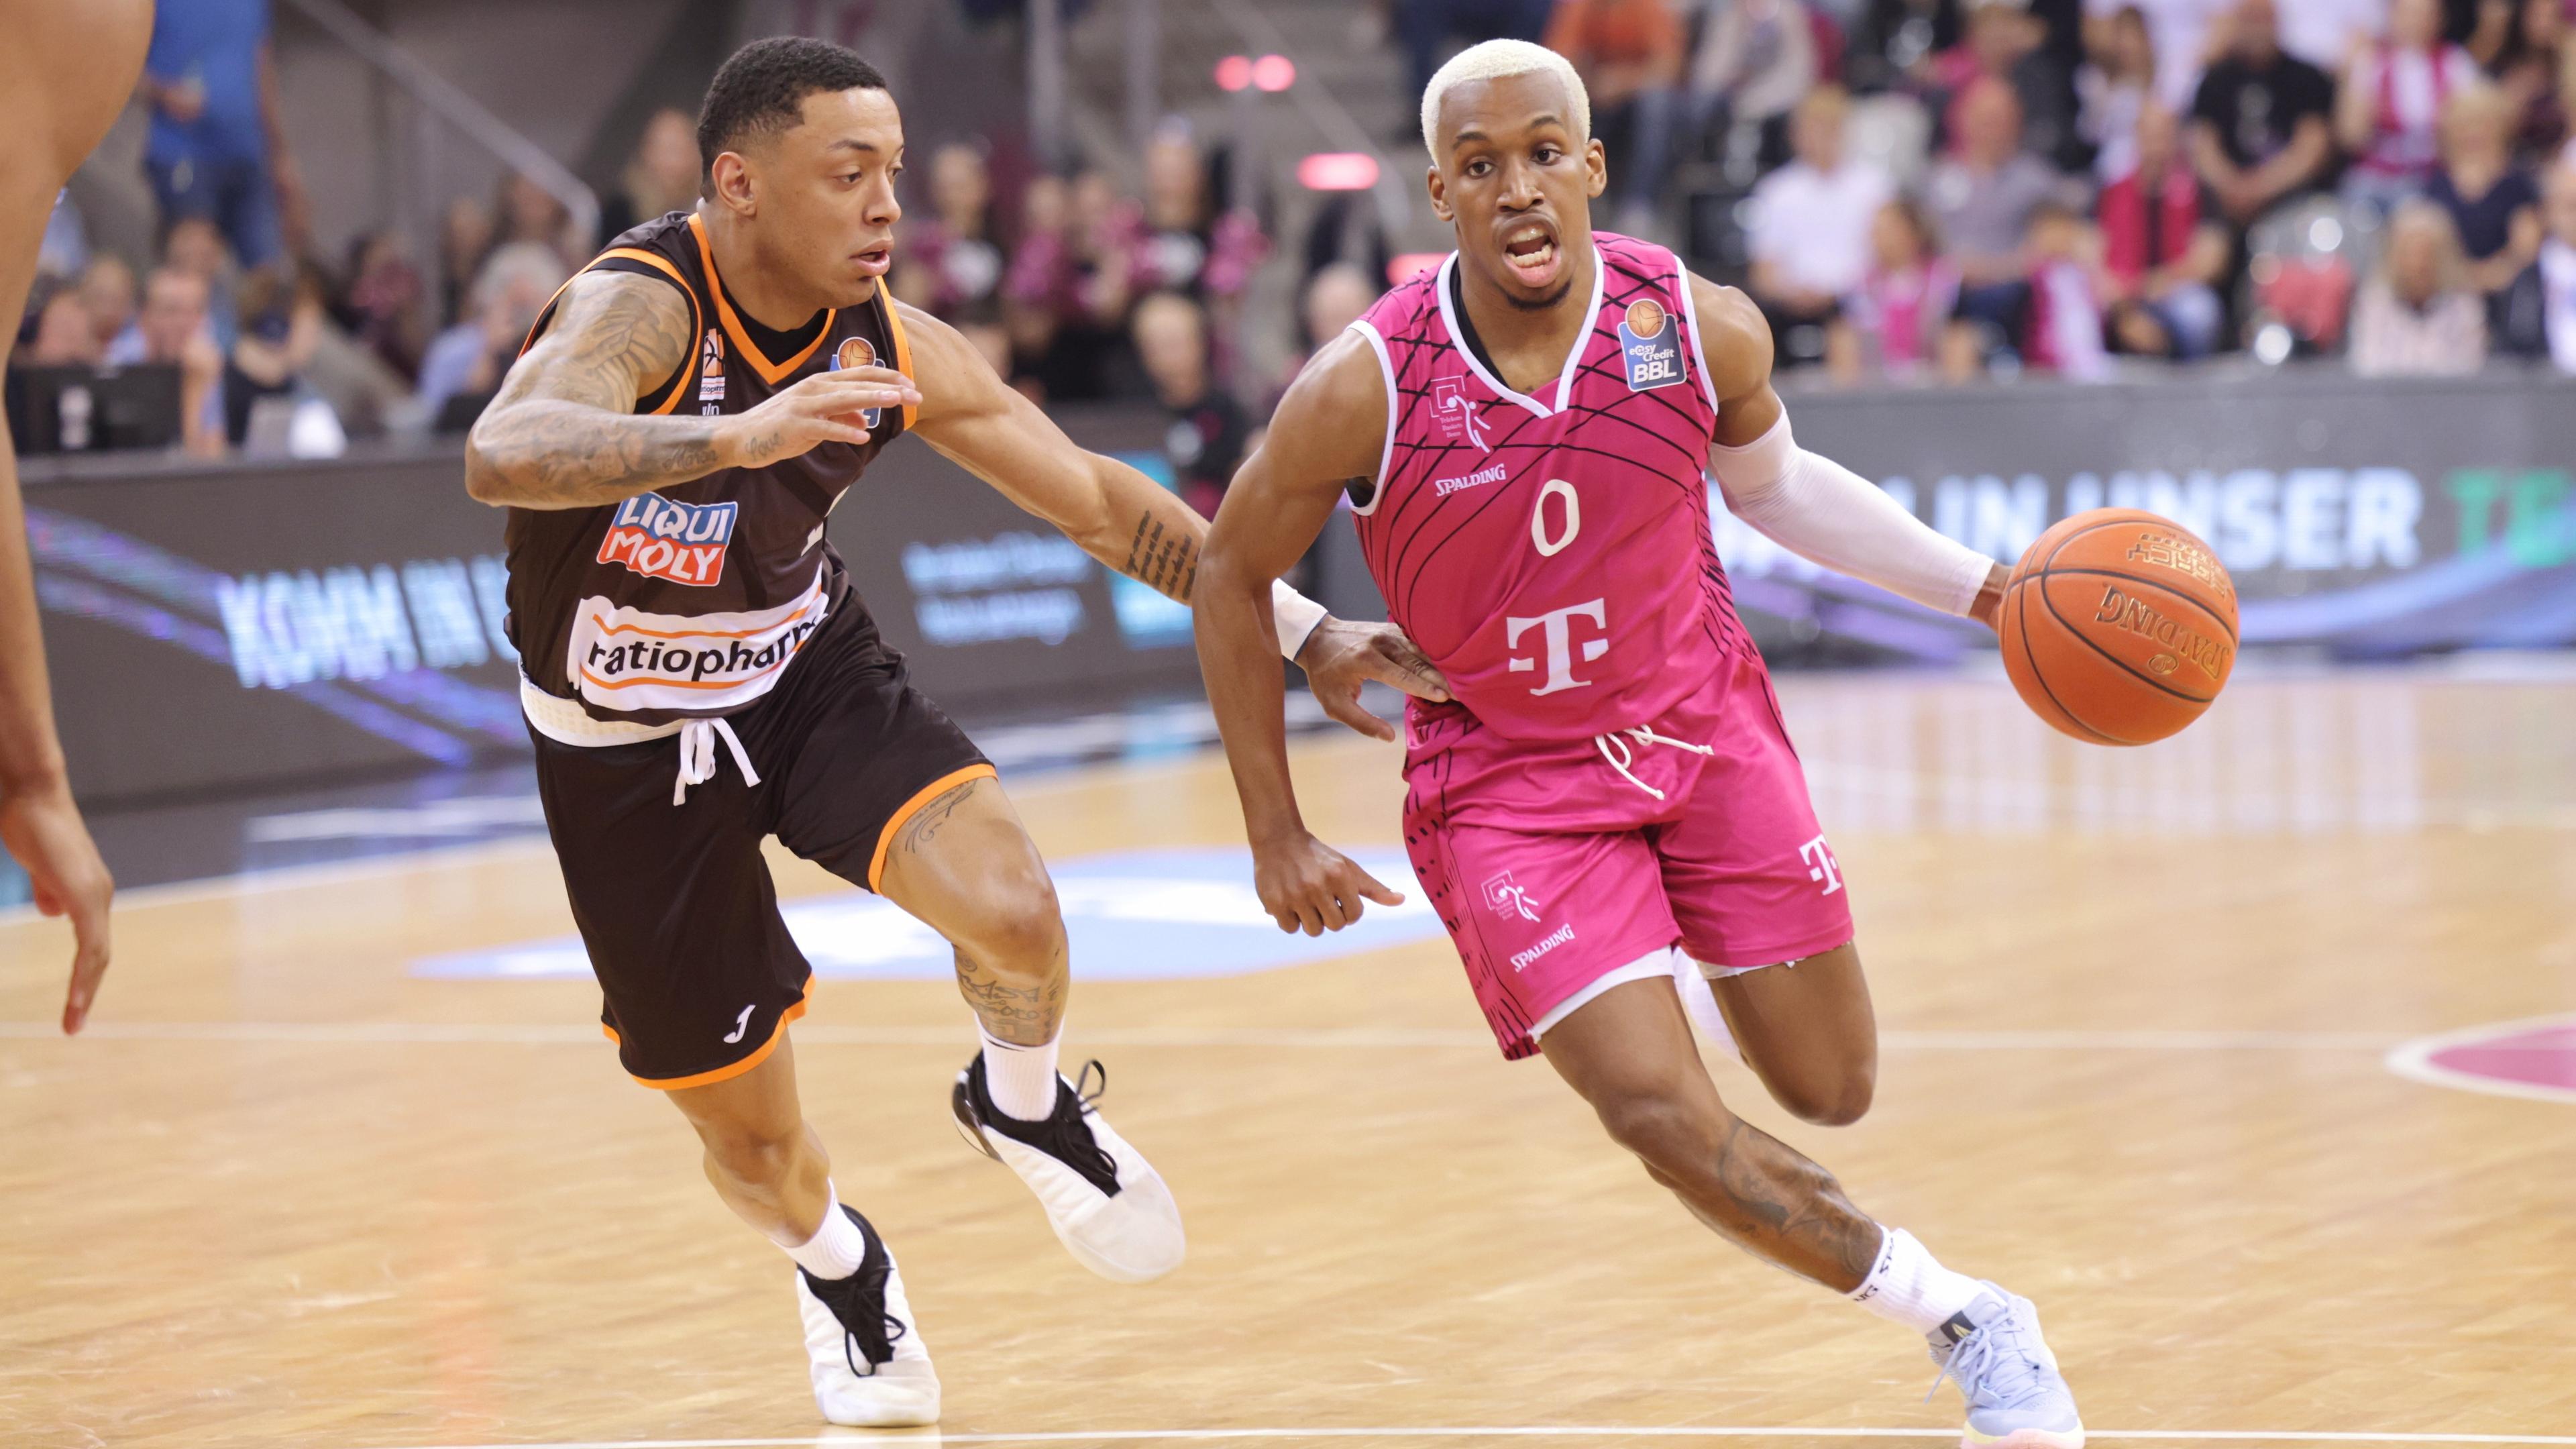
(1342, 655)
(43, 831)
(822, 409)
(1308, 886)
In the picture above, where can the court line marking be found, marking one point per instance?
(1361, 1038)
(2413, 1060)
(1533, 1431)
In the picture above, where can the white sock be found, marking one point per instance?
(1020, 1079)
(1908, 1287)
(836, 1247)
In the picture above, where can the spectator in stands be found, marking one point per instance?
(530, 213)
(217, 148)
(2493, 203)
(2114, 90)
(2004, 42)
(1895, 42)
(2188, 36)
(1330, 302)
(2259, 129)
(1981, 198)
(2538, 73)
(194, 246)
(1192, 241)
(1809, 235)
(380, 305)
(1038, 288)
(662, 177)
(62, 335)
(951, 258)
(1430, 30)
(107, 296)
(2539, 310)
(2388, 116)
(1629, 53)
(1755, 59)
(1899, 319)
(282, 321)
(172, 328)
(2062, 327)
(2327, 33)
(1071, 300)
(466, 362)
(2162, 252)
(1206, 439)
(2419, 315)
(464, 240)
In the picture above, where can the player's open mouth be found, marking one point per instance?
(1530, 250)
(875, 259)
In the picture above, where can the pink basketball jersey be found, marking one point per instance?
(1552, 553)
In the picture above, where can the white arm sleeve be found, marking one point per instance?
(1824, 512)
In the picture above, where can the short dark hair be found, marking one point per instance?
(763, 89)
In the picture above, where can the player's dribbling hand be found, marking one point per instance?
(1342, 655)
(1308, 886)
(821, 409)
(43, 831)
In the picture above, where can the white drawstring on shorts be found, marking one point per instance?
(1644, 735)
(698, 756)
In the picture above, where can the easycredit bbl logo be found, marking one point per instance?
(681, 542)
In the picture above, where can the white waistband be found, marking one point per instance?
(567, 723)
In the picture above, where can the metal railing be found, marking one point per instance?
(441, 99)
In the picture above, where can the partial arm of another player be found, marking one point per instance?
(1809, 504)
(1131, 523)
(563, 431)
(1327, 433)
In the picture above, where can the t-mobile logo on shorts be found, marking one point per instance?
(1821, 866)
(1509, 900)
(1556, 628)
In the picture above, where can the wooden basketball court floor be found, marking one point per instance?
(2138, 1009)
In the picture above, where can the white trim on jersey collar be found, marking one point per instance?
(1573, 356)
(1699, 345)
(1394, 410)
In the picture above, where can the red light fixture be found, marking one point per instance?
(1338, 171)
(1274, 73)
(1233, 73)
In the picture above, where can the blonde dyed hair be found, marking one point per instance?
(1496, 60)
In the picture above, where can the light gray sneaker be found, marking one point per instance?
(2016, 1397)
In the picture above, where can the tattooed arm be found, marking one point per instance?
(979, 422)
(563, 431)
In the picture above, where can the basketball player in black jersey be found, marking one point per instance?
(684, 416)
(65, 72)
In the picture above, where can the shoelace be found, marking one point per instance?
(1991, 1359)
(869, 1284)
(1644, 735)
(1087, 1097)
(698, 755)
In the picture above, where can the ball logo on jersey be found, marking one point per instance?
(681, 542)
(711, 368)
(858, 352)
(1650, 346)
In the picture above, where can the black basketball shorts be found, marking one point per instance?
(698, 974)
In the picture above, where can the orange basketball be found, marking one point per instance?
(2119, 626)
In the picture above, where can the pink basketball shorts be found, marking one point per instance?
(1558, 865)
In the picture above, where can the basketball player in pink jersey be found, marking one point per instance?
(1524, 436)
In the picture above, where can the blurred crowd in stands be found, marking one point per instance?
(1914, 190)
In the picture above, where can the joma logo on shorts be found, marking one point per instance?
(1556, 938)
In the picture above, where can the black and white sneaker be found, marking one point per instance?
(1108, 1205)
(869, 1365)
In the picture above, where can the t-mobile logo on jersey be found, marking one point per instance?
(1556, 628)
(1821, 866)
(1509, 900)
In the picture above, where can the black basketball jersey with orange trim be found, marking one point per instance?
(691, 600)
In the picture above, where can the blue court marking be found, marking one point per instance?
(1132, 915)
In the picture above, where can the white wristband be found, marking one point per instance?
(1295, 616)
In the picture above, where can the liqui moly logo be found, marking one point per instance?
(681, 542)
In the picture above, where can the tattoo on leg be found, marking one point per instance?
(926, 822)
(1020, 1015)
(1791, 1210)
